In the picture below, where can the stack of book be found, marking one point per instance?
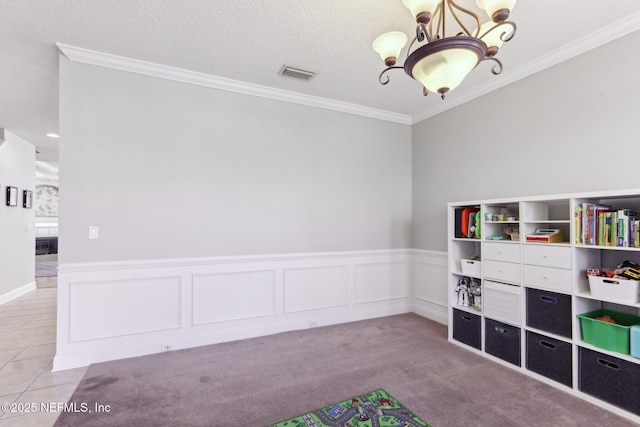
(601, 225)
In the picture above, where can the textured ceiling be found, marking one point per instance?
(250, 41)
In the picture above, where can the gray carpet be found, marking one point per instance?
(261, 381)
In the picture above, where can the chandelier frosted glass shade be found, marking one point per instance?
(419, 6)
(492, 7)
(389, 45)
(442, 65)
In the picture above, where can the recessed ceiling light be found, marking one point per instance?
(53, 135)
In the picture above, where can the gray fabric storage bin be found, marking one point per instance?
(467, 328)
(550, 357)
(611, 379)
(502, 340)
(549, 311)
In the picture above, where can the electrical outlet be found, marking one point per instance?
(94, 232)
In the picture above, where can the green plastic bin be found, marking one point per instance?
(609, 336)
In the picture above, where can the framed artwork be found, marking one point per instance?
(27, 199)
(12, 196)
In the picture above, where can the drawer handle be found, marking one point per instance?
(547, 344)
(500, 330)
(467, 318)
(550, 300)
(608, 364)
(613, 282)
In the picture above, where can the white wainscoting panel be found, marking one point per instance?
(311, 288)
(429, 283)
(113, 310)
(221, 297)
(379, 281)
(101, 309)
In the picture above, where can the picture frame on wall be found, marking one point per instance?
(12, 196)
(27, 199)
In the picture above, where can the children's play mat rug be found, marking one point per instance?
(377, 408)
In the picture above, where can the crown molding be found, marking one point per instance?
(596, 39)
(107, 60)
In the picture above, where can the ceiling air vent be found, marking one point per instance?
(297, 73)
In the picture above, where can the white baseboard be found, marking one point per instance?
(435, 312)
(114, 310)
(6, 297)
(85, 358)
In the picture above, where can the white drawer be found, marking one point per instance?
(503, 271)
(501, 302)
(556, 279)
(501, 252)
(548, 256)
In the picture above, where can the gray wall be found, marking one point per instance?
(572, 127)
(17, 235)
(169, 170)
(178, 170)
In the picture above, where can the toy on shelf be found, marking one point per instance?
(513, 231)
(504, 215)
(545, 235)
(606, 318)
(469, 292)
(475, 291)
(627, 270)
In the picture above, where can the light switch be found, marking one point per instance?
(94, 232)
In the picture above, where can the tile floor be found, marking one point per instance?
(27, 347)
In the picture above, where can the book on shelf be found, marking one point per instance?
(623, 223)
(601, 225)
(600, 222)
(613, 229)
(600, 240)
(577, 218)
(627, 228)
(592, 223)
(586, 224)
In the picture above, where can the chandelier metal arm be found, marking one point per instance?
(452, 8)
(423, 33)
(409, 48)
(496, 69)
(513, 33)
(384, 82)
(503, 36)
(440, 25)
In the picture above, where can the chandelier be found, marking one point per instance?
(444, 56)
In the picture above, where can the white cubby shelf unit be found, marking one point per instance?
(533, 292)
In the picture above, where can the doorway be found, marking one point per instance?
(46, 224)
